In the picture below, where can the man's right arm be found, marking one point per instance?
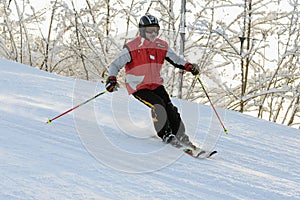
(122, 59)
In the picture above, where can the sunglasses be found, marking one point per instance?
(151, 30)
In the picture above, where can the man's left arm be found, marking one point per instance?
(180, 63)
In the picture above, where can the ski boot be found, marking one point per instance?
(170, 138)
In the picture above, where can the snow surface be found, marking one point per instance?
(107, 149)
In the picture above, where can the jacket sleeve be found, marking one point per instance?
(175, 60)
(122, 59)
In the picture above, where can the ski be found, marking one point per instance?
(211, 154)
(192, 150)
(199, 153)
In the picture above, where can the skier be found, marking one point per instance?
(143, 58)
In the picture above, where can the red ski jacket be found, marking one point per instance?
(143, 62)
(147, 58)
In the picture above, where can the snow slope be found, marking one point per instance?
(106, 149)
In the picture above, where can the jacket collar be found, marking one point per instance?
(145, 42)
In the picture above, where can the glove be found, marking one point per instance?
(193, 68)
(111, 83)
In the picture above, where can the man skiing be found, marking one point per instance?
(143, 58)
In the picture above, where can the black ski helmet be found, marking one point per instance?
(146, 21)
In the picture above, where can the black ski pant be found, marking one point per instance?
(165, 115)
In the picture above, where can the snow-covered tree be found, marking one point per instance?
(248, 51)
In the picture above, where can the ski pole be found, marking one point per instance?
(58, 116)
(225, 130)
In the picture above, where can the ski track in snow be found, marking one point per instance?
(256, 160)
